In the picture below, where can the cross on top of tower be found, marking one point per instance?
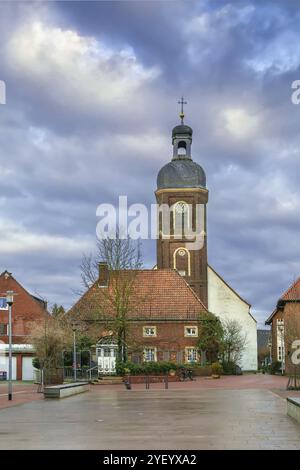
(181, 115)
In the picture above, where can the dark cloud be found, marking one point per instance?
(154, 28)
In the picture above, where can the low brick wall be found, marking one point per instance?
(204, 371)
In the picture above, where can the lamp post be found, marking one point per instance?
(282, 349)
(10, 301)
(74, 328)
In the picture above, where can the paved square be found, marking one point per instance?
(158, 419)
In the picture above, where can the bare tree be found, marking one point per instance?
(263, 355)
(119, 253)
(57, 310)
(109, 308)
(233, 341)
(50, 338)
(121, 299)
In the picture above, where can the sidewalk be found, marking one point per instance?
(23, 392)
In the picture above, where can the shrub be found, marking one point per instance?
(162, 367)
(145, 368)
(36, 363)
(231, 368)
(216, 368)
(275, 367)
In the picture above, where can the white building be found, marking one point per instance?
(226, 304)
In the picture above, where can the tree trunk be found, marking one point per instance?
(124, 347)
(120, 347)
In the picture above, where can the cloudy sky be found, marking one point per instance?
(92, 90)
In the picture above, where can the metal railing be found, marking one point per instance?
(147, 380)
(83, 374)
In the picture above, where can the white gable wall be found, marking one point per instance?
(226, 304)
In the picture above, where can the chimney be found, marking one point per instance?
(103, 274)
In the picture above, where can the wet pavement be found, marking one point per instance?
(154, 419)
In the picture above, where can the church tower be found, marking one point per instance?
(182, 197)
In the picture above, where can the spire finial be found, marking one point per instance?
(181, 115)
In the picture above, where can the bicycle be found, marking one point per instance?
(185, 374)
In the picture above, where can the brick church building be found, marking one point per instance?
(183, 285)
(27, 311)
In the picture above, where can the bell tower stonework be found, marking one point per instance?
(182, 197)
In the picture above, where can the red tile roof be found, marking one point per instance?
(156, 294)
(23, 300)
(291, 294)
(27, 309)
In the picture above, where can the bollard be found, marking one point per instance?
(147, 381)
(127, 383)
(166, 381)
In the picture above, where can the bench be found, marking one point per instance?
(293, 408)
(65, 390)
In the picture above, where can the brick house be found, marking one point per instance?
(285, 326)
(26, 310)
(163, 316)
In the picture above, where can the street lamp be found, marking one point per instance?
(10, 301)
(282, 349)
(74, 328)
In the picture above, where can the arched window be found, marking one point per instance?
(181, 147)
(181, 219)
(182, 261)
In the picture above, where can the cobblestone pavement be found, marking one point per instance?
(158, 419)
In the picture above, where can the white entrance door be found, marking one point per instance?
(27, 368)
(107, 359)
(4, 366)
